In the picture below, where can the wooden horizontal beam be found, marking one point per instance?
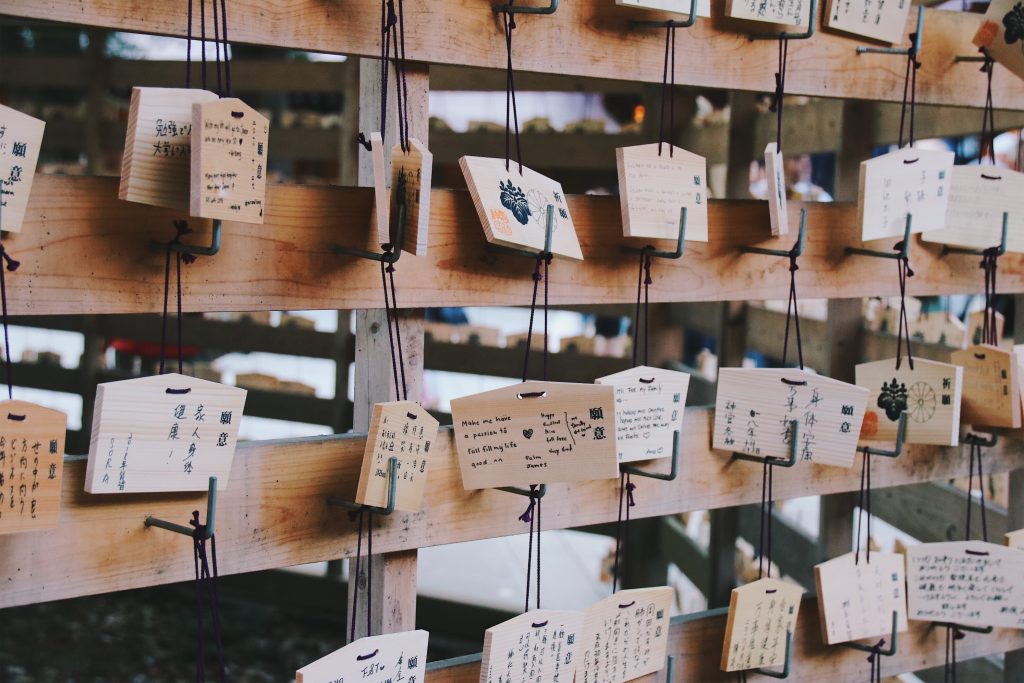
(83, 249)
(583, 38)
(274, 511)
(695, 640)
(936, 512)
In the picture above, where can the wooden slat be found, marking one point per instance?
(584, 38)
(274, 514)
(936, 512)
(82, 249)
(695, 641)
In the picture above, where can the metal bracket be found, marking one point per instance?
(669, 666)
(548, 231)
(392, 486)
(789, 658)
(794, 433)
(901, 433)
(211, 516)
(391, 256)
(900, 251)
(798, 247)
(670, 476)
(512, 9)
(966, 629)
(888, 652)
(192, 250)
(975, 439)
(1000, 250)
(918, 35)
(649, 250)
(983, 57)
(541, 491)
(792, 36)
(671, 24)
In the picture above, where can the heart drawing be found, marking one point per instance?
(528, 433)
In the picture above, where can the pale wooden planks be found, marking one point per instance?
(694, 641)
(274, 512)
(83, 249)
(583, 38)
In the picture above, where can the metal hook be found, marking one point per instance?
(794, 433)
(789, 658)
(548, 231)
(901, 433)
(1000, 250)
(392, 486)
(649, 250)
(669, 666)
(673, 472)
(890, 651)
(968, 629)
(792, 36)
(512, 9)
(975, 439)
(984, 57)
(900, 251)
(539, 493)
(916, 47)
(798, 247)
(192, 250)
(391, 256)
(211, 516)
(671, 23)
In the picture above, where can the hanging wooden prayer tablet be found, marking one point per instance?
(376, 659)
(535, 433)
(930, 394)
(31, 466)
(21, 136)
(625, 636)
(771, 11)
(775, 173)
(513, 206)
(1015, 539)
(403, 430)
(229, 161)
(936, 327)
(654, 187)
(1000, 34)
(884, 21)
(760, 615)
(976, 328)
(540, 645)
(857, 599)
(156, 165)
(381, 197)
(649, 405)
(966, 582)
(978, 197)
(754, 410)
(673, 6)
(411, 171)
(162, 433)
(991, 386)
(908, 181)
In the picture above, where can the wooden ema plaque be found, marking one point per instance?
(976, 328)
(162, 433)
(856, 599)
(157, 157)
(930, 393)
(535, 433)
(1015, 539)
(789, 12)
(229, 161)
(377, 659)
(654, 188)
(674, 6)
(21, 136)
(412, 171)
(625, 636)
(760, 615)
(403, 430)
(884, 21)
(540, 645)
(381, 198)
(907, 181)
(966, 582)
(31, 465)
(936, 327)
(978, 197)
(1001, 34)
(754, 409)
(775, 173)
(991, 386)
(513, 206)
(649, 405)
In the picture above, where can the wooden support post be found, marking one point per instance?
(742, 133)
(856, 143)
